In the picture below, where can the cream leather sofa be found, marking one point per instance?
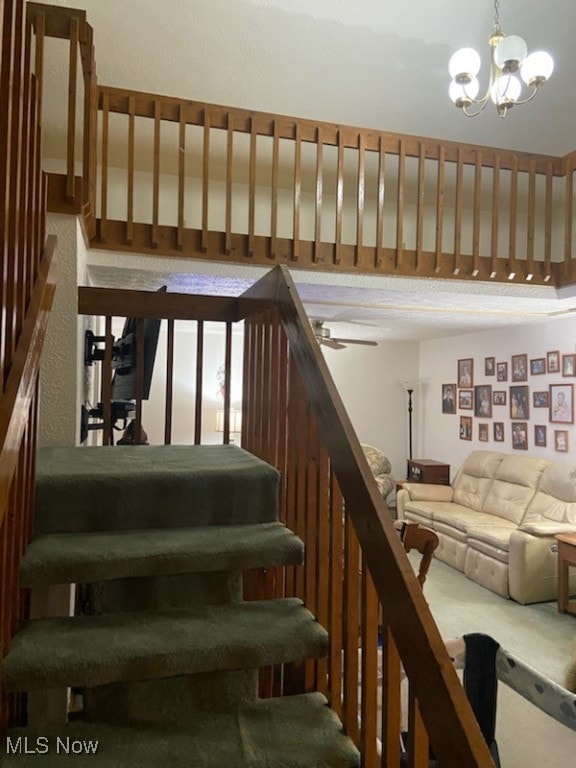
(496, 521)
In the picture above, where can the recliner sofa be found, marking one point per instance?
(497, 520)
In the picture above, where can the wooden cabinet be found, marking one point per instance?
(428, 471)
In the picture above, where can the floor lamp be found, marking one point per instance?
(410, 393)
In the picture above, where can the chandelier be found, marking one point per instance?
(508, 59)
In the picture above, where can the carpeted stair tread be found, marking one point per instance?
(156, 486)
(291, 732)
(93, 650)
(65, 558)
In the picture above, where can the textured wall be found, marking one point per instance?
(61, 366)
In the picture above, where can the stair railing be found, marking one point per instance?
(355, 566)
(188, 178)
(26, 290)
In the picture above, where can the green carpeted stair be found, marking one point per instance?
(165, 650)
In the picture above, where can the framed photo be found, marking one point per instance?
(499, 397)
(540, 399)
(519, 406)
(540, 435)
(553, 362)
(483, 433)
(448, 401)
(501, 371)
(537, 366)
(465, 427)
(519, 367)
(561, 403)
(489, 366)
(520, 435)
(568, 365)
(466, 372)
(466, 399)
(483, 401)
(498, 431)
(561, 440)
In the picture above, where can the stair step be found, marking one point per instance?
(67, 558)
(94, 650)
(156, 486)
(291, 732)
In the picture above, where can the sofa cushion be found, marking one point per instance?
(555, 499)
(462, 518)
(493, 540)
(473, 481)
(514, 486)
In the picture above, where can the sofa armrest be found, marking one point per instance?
(421, 492)
(547, 528)
(532, 567)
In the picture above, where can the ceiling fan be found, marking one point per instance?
(324, 337)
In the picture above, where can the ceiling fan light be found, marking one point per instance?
(537, 68)
(510, 53)
(506, 90)
(464, 65)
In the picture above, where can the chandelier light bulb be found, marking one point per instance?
(537, 68)
(463, 94)
(506, 90)
(464, 65)
(510, 53)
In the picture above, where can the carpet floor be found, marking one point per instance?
(537, 634)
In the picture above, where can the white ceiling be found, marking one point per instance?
(378, 64)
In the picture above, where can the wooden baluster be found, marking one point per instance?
(339, 199)
(458, 214)
(104, 183)
(311, 563)
(548, 222)
(169, 382)
(227, 380)
(274, 192)
(477, 212)
(72, 84)
(418, 745)
(156, 175)
(400, 209)
(336, 599)
(297, 192)
(381, 199)
(440, 195)
(360, 199)
(131, 155)
(568, 217)
(139, 390)
(420, 206)
(391, 703)
(181, 175)
(318, 200)
(252, 187)
(369, 700)
(229, 177)
(199, 377)
(205, 180)
(495, 222)
(513, 217)
(323, 585)
(531, 219)
(351, 625)
(106, 382)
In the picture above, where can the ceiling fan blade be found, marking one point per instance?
(357, 341)
(332, 343)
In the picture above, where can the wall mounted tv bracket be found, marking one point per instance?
(120, 410)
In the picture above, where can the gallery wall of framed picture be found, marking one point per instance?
(519, 401)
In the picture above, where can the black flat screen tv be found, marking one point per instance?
(124, 358)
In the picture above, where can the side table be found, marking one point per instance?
(566, 560)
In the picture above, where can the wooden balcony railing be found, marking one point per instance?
(355, 564)
(188, 179)
(26, 290)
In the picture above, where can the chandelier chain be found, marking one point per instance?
(496, 13)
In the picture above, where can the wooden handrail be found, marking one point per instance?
(442, 702)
